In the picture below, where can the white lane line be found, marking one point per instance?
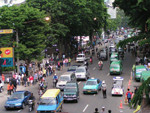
(85, 108)
(94, 68)
(79, 82)
(19, 110)
(108, 74)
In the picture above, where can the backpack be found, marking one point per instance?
(128, 95)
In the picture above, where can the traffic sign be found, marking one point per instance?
(6, 31)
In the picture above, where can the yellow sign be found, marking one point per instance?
(7, 52)
(6, 31)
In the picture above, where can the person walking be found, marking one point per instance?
(31, 79)
(69, 61)
(14, 82)
(96, 110)
(8, 88)
(103, 110)
(25, 80)
(3, 80)
(11, 88)
(104, 87)
(129, 94)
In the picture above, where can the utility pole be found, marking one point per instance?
(17, 40)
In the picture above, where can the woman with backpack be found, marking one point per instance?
(129, 95)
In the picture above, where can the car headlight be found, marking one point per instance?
(6, 104)
(18, 104)
(74, 96)
(65, 95)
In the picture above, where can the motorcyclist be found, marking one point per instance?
(33, 99)
(55, 79)
(122, 55)
(86, 63)
(100, 63)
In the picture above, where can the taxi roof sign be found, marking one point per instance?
(118, 78)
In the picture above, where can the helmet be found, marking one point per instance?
(103, 82)
(55, 73)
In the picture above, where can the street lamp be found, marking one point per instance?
(17, 39)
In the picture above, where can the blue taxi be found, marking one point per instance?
(92, 85)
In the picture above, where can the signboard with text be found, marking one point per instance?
(7, 62)
(6, 31)
(7, 52)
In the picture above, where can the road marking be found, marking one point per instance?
(19, 110)
(108, 74)
(85, 108)
(79, 82)
(94, 68)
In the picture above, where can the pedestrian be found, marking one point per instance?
(35, 77)
(96, 110)
(49, 70)
(61, 65)
(133, 70)
(31, 79)
(129, 94)
(44, 72)
(109, 111)
(132, 95)
(103, 110)
(25, 80)
(19, 79)
(1, 86)
(8, 88)
(104, 88)
(135, 90)
(14, 82)
(3, 80)
(11, 88)
(28, 81)
(69, 61)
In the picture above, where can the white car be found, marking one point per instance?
(82, 73)
(80, 58)
(64, 78)
(117, 88)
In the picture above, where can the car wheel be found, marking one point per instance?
(77, 101)
(6, 108)
(83, 92)
(60, 109)
(23, 105)
(64, 101)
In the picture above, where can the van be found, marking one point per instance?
(50, 102)
(64, 78)
(114, 57)
(138, 71)
(116, 67)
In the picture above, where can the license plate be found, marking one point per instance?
(79, 75)
(116, 92)
(11, 106)
(69, 99)
(88, 91)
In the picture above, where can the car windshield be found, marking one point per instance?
(91, 83)
(80, 70)
(140, 70)
(115, 66)
(117, 83)
(113, 56)
(72, 68)
(64, 78)
(80, 56)
(47, 101)
(17, 96)
(70, 89)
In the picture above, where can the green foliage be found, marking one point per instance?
(8, 68)
(143, 89)
(31, 27)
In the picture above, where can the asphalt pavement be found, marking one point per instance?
(87, 103)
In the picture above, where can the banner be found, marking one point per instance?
(7, 52)
(7, 62)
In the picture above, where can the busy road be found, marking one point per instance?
(88, 102)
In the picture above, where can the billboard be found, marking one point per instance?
(112, 12)
(7, 52)
(7, 62)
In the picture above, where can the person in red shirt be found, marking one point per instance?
(129, 95)
(31, 79)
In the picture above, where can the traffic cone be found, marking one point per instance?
(129, 84)
(120, 104)
(125, 100)
(128, 87)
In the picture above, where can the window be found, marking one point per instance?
(26, 93)
(98, 81)
(60, 95)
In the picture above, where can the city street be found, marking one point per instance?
(88, 103)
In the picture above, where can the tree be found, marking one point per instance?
(139, 18)
(30, 25)
(143, 89)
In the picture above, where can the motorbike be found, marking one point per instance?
(100, 66)
(30, 104)
(54, 82)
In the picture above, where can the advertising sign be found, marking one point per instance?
(6, 31)
(7, 52)
(7, 62)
